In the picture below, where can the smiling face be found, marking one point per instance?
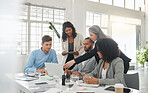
(93, 36)
(46, 46)
(68, 31)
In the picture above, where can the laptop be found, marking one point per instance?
(54, 69)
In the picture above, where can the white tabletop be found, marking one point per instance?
(25, 86)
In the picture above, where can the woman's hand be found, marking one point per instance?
(67, 71)
(77, 73)
(64, 53)
(90, 80)
(69, 64)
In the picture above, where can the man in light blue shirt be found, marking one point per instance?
(40, 56)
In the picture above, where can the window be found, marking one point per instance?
(47, 14)
(93, 18)
(119, 3)
(36, 13)
(104, 20)
(139, 5)
(22, 38)
(146, 1)
(129, 4)
(34, 23)
(109, 2)
(24, 12)
(120, 26)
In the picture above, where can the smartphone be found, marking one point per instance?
(111, 88)
(126, 90)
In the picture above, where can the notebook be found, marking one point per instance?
(54, 69)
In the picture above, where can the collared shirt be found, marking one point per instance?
(94, 44)
(104, 73)
(38, 58)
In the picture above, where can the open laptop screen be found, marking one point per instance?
(54, 69)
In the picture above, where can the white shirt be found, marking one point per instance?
(104, 73)
(94, 44)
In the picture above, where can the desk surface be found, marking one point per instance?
(24, 86)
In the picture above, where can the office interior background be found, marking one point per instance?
(23, 23)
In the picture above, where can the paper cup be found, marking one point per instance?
(119, 88)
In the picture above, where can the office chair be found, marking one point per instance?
(132, 80)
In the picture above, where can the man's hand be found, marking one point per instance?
(90, 80)
(41, 70)
(85, 77)
(46, 73)
(67, 71)
(69, 64)
(77, 73)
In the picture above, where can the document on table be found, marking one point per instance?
(88, 85)
(22, 76)
(41, 86)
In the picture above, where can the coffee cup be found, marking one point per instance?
(119, 88)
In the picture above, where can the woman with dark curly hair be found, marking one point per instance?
(110, 69)
(72, 43)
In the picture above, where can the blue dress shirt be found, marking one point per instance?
(38, 58)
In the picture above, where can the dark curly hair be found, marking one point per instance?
(108, 48)
(64, 35)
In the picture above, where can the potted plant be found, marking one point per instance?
(51, 27)
(142, 56)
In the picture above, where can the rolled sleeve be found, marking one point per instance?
(29, 66)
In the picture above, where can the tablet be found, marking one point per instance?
(70, 52)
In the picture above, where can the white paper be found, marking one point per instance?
(89, 85)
